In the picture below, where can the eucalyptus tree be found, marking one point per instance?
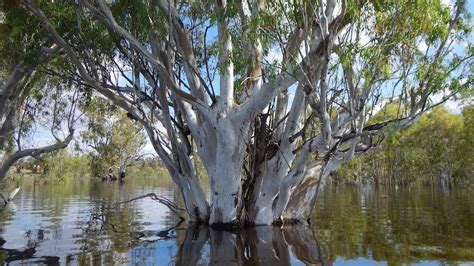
(271, 96)
(37, 118)
(114, 139)
(29, 98)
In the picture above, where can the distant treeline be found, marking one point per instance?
(60, 166)
(439, 149)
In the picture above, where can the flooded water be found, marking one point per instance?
(77, 224)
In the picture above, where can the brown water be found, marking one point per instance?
(75, 223)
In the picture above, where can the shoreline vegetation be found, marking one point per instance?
(439, 149)
(436, 150)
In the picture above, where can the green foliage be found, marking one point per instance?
(437, 149)
(146, 169)
(60, 166)
(18, 40)
(115, 140)
(22, 36)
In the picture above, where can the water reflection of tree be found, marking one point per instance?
(107, 227)
(7, 212)
(6, 215)
(106, 233)
(398, 226)
(111, 230)
(263, 245)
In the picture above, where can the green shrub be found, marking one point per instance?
(60, 166)
(437, 149)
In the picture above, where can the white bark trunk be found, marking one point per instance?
(275, 169)
(302, 196)
(290, 195)
(265, 191)
(226, 188)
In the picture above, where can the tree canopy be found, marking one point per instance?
(113, 140)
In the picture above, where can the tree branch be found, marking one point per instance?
(8, 163)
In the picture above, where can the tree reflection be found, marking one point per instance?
(399, 226)
(304, 246)
(190, 250)
(27, 255)
(263, 245)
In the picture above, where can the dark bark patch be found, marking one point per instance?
(234, 226)
(291, 221)
(196, 212)
(277, 223)
(218, 214)
(275, 201)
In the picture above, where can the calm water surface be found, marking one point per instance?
(76, 223)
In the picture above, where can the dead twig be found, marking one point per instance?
(168, 203)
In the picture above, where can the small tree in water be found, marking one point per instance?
(115, 141)
(272, 96)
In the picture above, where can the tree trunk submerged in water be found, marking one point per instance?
(264, 153)
(225, 172)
